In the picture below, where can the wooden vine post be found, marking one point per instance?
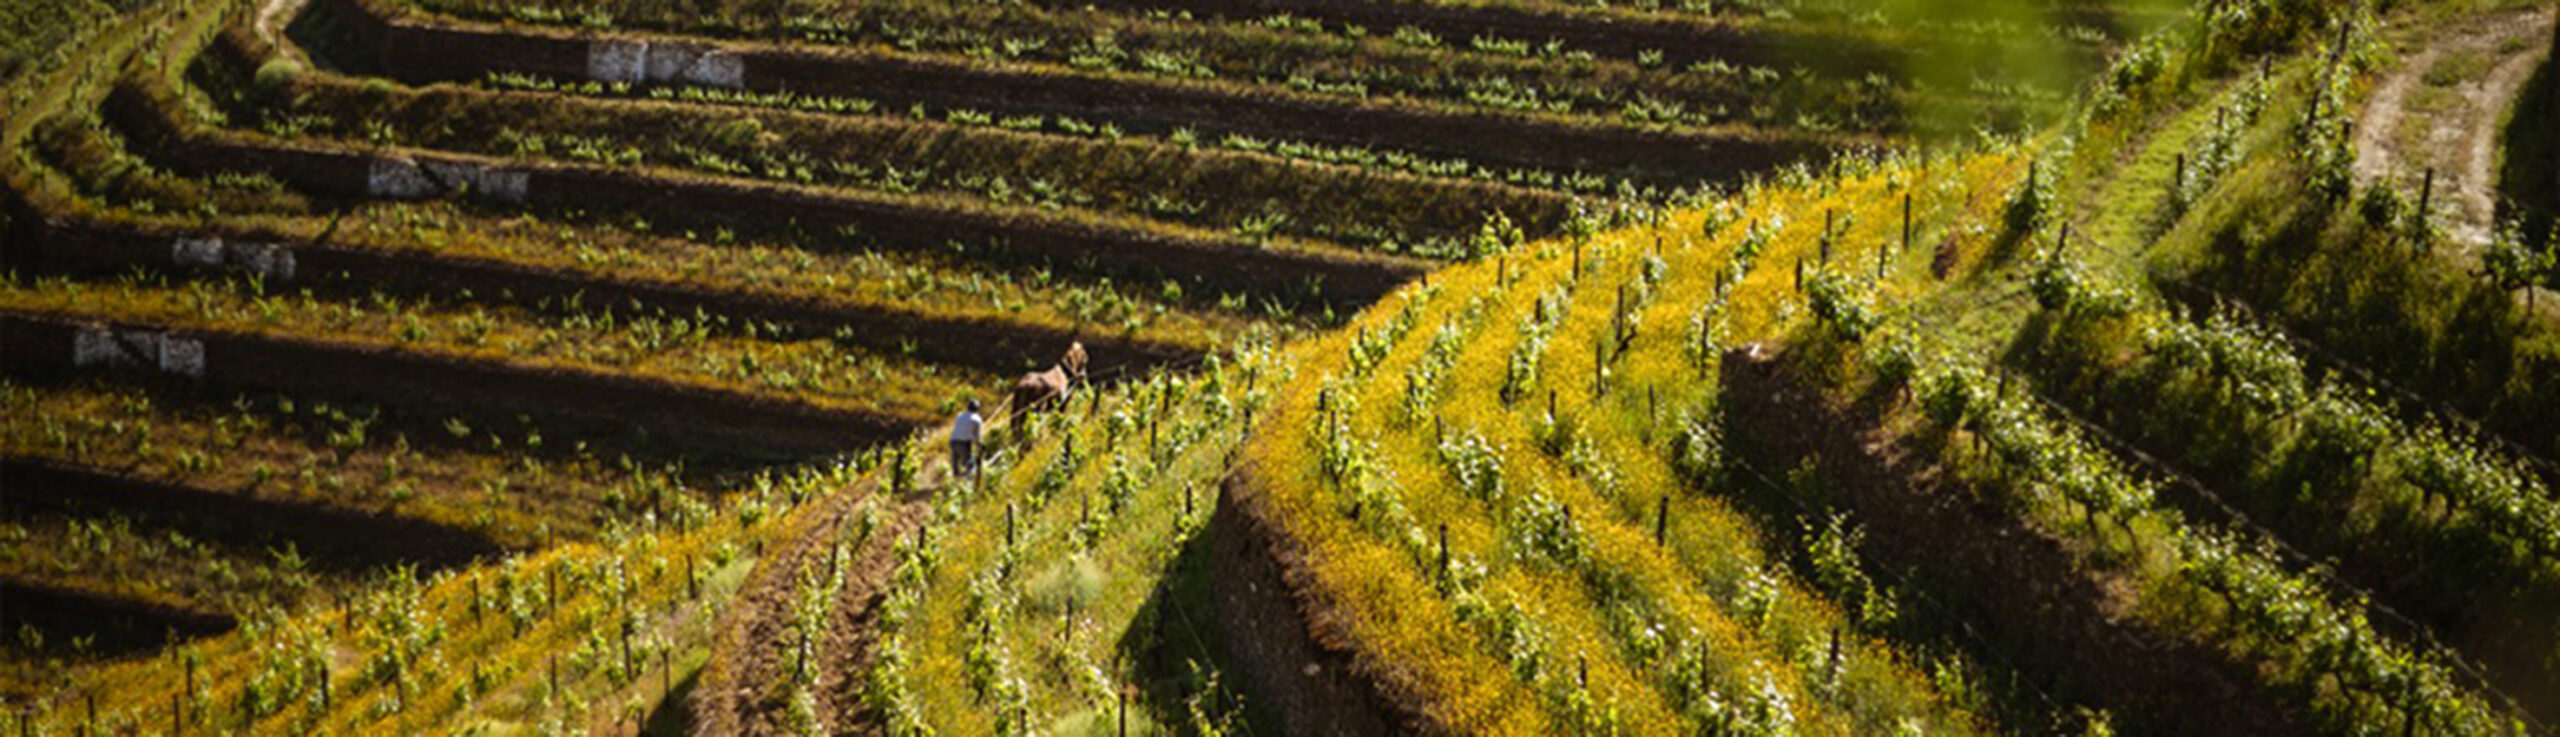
(1834, 662)
(1662, 520)
(2426, 195)
(1444, 552)
(2178, 182)
(1828, 218)
(1906, 221)
(626, 646)
(1600, 370)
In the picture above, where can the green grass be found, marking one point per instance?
(1380, 64)
(671, 348)
(1076, 566)
(481, 648)
(1550, 516)
(2438, 525)
(496, 481)
(1040, 593)
(1212, 189)
(33, 30)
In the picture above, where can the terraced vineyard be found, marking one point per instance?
(1755, 367)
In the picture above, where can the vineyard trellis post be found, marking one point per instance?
(1834, 663)
(1662, 519)
(2426, 194)
(1600, 370)
(1906, 222)
(1444, 552)
(1829, 219)
(2178, 184)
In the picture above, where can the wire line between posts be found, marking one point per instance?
(1902, 583)
(2285, 551)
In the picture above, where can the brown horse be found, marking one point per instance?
(1038, 389)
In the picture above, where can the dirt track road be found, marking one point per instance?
(2443, 108)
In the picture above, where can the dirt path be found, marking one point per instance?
(272, 17)
(740, 692)
(2442, 108)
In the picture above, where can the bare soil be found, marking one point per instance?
(1347, 280)
(851, 637)
(77, 247)
(40, 347)
(753, 655)
(119, 626)
(418, 50)
(338, 538)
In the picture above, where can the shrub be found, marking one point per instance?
(1842, 304)
(2029, 205)
(1072, 584)
(277, 74)
(2382, 207)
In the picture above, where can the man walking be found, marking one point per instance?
(964, 441)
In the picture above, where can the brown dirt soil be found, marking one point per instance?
(337, 538)
(850, 637)
(1417, 205)
(752, 652)
(120, 625)
(2460, 144)
(1290, 649)
(751, 630)
(40, 346)
(1681, 41)
(2030, 586)
(1349, 279)
(78, 247)
(418, 50)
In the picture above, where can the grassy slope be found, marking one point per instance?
(465, 643)
(1076, 568)
(31, 29)
(1616, 453)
